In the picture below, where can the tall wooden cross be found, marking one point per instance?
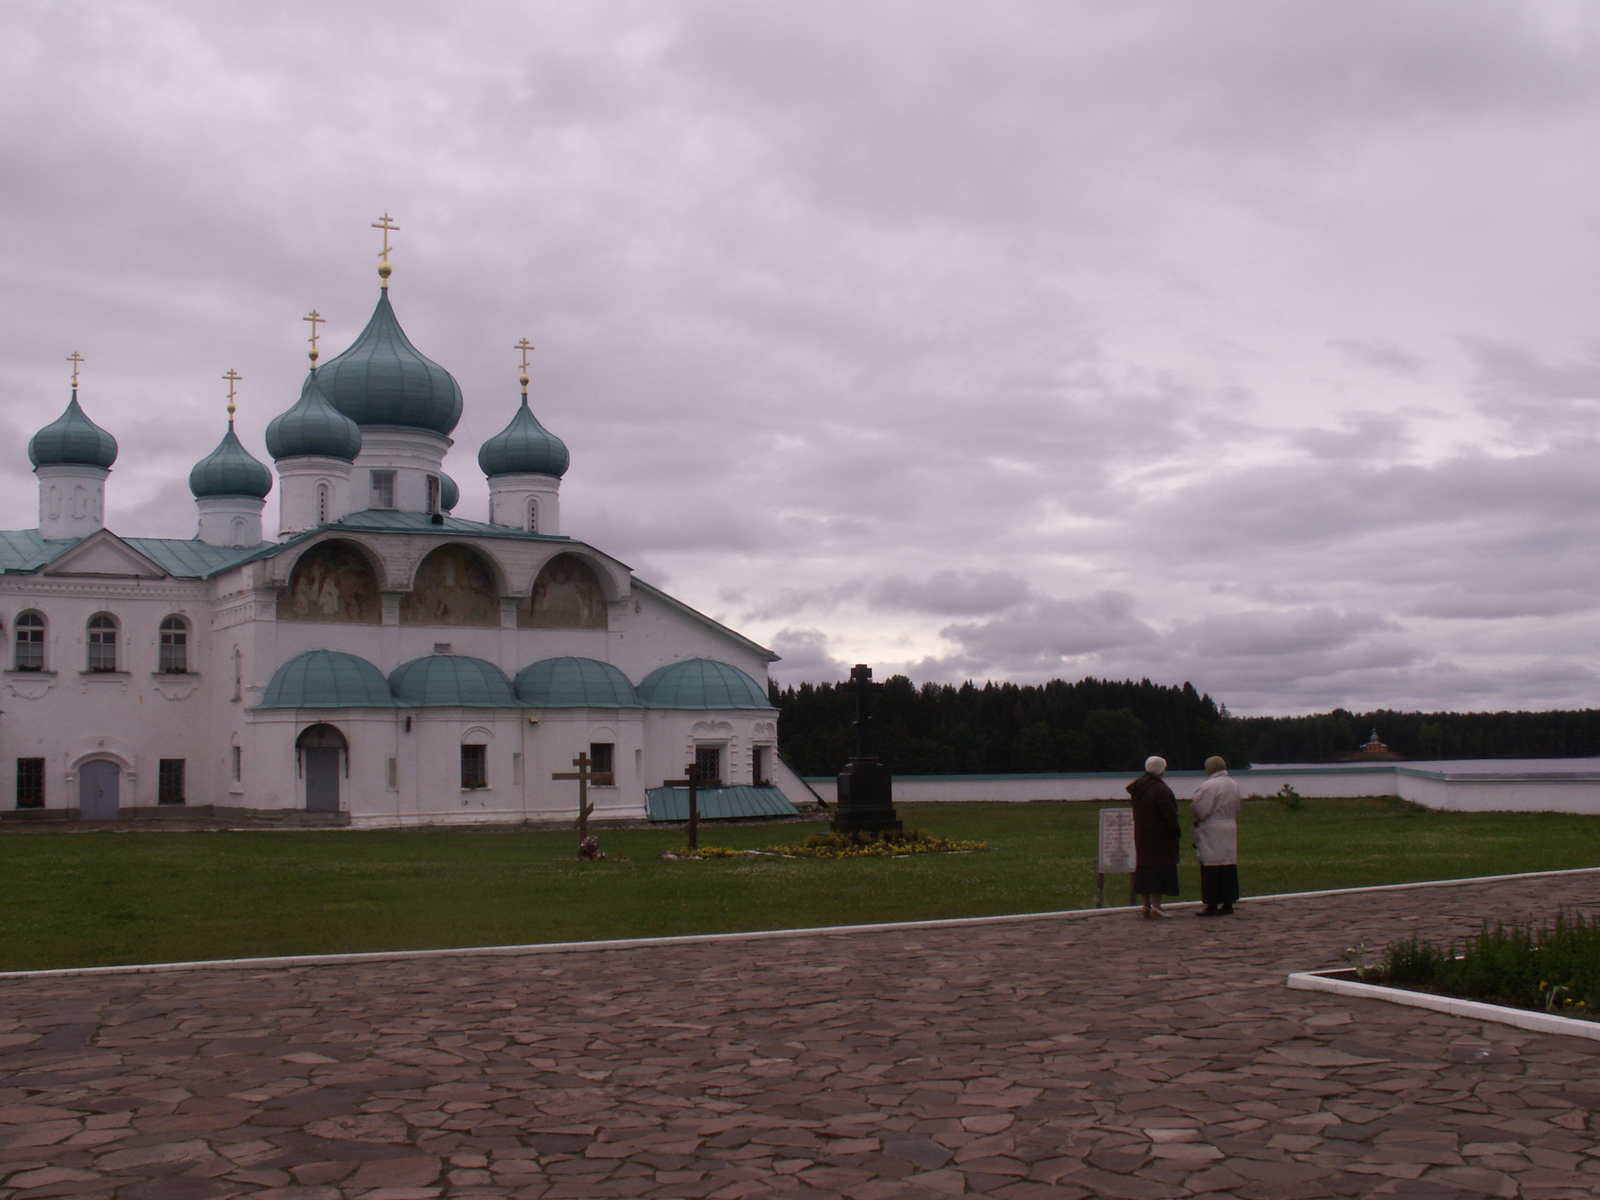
(583, 775)
(691, 780)
(316, 319)
(232, 377)
(75, 358)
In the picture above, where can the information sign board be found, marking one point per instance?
(1116, 841)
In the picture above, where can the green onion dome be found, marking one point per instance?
(230, 470)
(449, 493)
(382, 379)
(313, 426)
(524, 447)
(575, 683)
(452, 681)
(701, 683)
(72, 439)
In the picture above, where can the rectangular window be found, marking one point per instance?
(601, 758)
(394, 775)
(169, 781)
(238, 764)
(30, 783)
(383, 489)
(474, 766)
(174, 647)
(516, 770)
(102, 644)
(758, 764)
(709, 760)
(433, 493)
(30, 642)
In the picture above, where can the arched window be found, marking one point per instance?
(102, 642)
(174, 646)
(238, 531)
(322, 504)
(30, 642)
(533, 516)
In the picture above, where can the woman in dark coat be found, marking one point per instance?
(1155, 837)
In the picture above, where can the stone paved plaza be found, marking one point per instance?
(1060, 1057)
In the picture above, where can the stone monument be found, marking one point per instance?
(866, 788)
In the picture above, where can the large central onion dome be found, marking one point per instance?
(313, 426)
(72, 440)
(524, 447)
(382, 379)
(230, 470)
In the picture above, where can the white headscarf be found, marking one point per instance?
(1155, 765)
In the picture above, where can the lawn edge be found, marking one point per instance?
(1521, 1018)
(368, 956)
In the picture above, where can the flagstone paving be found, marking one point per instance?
(1048, 1058)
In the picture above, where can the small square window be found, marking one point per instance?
(474, 766)
(709, 760)
(169, 781)
(383, 489)
(602, 756)
(30, 783)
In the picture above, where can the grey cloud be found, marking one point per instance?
(1380, 353)
(951, 593)
(804, 657)
(1263, 632)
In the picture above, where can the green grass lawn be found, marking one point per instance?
(81, 898)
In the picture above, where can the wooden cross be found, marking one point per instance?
(316, 319)
(75, 358)
(583, 775)
(232, 377)
(692, 782)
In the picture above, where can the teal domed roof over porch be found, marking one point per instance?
(701, 683)
(452, 681)
(575, 683)
(327, 679)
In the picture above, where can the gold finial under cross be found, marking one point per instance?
(232, 377)
(524, 345)
(385, 223)
(75, 358)
(316, 319)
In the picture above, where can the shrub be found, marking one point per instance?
(888, 844)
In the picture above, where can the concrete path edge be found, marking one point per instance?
(1538, 1022)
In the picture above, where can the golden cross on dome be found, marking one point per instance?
(316, 319)
(75, 358)
(385, 223)
(524, 345)
(232, 377)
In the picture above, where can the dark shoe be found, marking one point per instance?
(1225, 911)
(1209, 912)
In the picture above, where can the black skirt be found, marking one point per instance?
(1219, 885)
(1155, 881)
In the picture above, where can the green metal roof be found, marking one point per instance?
(524, 447)
(327, 679)
(390, 520)
(23, 551)
(382, 379)
(313, 426)
(230, 470)
(575, 683)
(452, 681)
(719, 803)
(701, 683)
(72, 439)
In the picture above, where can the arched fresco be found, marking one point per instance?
(332, 582)
(565, 596)
(453, 587)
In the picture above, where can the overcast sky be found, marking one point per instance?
(1255, 344)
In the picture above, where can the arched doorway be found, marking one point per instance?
(321, 748)
(99, 790)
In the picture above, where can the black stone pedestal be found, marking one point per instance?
(866, 798)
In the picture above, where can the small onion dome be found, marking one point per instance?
(452, 681)
(701, 683)
(327, 679)
(382, 379)
(524, 447)
(313, 426)
(575, 683)
(449, 493)
(230, 470)
(72, 439)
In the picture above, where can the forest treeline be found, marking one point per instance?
(1104, 725)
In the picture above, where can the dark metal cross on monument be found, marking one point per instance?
(691, 781)
(583, 775)
(861, 685)
(866, 788)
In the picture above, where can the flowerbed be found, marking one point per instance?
(844, 845)
(1552, 968)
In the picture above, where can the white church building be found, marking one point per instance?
(383, 662)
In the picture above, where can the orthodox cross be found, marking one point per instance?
(232, 377)
(316, 319)
(861, 684)
(583, 775)
(385, 223)
(691, 780)
(524, 345)
(75, 358)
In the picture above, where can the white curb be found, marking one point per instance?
(1538, 1022)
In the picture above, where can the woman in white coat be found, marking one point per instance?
(1215, 809)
